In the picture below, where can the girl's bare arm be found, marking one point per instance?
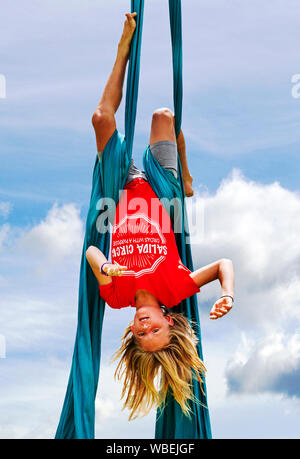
(96, 258)
(223, 271)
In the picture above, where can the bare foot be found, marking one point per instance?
(188, 188)
(128, 31)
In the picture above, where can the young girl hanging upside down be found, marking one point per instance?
(146, 271)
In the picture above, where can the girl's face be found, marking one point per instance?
(151, 327)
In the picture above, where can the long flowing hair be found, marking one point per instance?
(148, 375)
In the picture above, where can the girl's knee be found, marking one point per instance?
(102, 119)
(164, 115)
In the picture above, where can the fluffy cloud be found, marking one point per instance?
(33, 394)
(56, 237)
(258, 227)
(268, 365)
(4, 231)
(31, 397)
(38, 299)
(5, 208)
(253, 224)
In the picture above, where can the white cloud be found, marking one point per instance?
(108, 405)
(258, 227)
(31, 397)
(111, 420)
(5, 208)
(271, 364)
(31, 324)
(58, 236)
(105, 408)
(41, 267)
(245, 80)
(4, 231)
(252, 414)
(253, 224)
(237, 93)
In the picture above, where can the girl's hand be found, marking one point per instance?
(114, 269)
(221, 307)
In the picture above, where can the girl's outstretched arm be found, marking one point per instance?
(224, 272)
(96, 259)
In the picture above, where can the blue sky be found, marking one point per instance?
(242, 133)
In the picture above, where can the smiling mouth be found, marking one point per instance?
(142, 319)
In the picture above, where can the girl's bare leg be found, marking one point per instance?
(186, 176)
(162, 128)
(104, 116)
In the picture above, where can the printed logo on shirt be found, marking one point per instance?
(139, 244)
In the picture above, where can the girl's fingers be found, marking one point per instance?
(216, 313)
(224, 302)
(223, 310)
(213, 316)
(120, 268)
(116, 270)
(219, 309)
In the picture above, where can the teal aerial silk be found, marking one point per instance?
(77, 420)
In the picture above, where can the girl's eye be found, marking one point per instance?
(141, 334)
(155, 330)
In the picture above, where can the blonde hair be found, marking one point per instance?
(176, 365)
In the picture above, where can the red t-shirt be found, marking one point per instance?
(143, 240)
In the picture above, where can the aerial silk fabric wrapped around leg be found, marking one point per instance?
(109, 176)
(78, 413)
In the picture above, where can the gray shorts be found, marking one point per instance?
(165, 152)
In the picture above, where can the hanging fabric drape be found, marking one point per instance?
(78, 414)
